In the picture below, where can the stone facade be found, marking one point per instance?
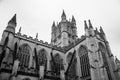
(67, 57)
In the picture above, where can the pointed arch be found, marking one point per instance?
(58, 58)
(82, 50)
(102, 47)
(84, 61)
(24, 55)
(57, 65)
(42, 57)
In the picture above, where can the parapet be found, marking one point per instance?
(33, 40)
(55, 47)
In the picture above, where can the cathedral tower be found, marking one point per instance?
(64, 33)
(6, 43)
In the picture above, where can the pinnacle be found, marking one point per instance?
(63, 14)
(53, 23)
(101, 30)
(90, 25)
(20, 30)
(36, 35)
(73, 19)
(85, 24)
(97, 30)
(13, 20)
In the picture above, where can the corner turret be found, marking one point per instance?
(63, 17)
(12, 25)
(73, 20)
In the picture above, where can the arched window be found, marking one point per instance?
(104, 56)
(72, 71)
(42, 58)
(84, 62)
(24, 55)
(58, 65)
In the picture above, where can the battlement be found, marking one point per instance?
(31, 39)
(55, 47)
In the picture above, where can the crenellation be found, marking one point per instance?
(24, 35)
(19, 34)
(31, 38)
(41, 41)
(46, 43)
(35, 39)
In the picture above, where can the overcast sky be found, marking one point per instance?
(38, 15)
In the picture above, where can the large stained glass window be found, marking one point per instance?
(57, 65)
(42, 58)
(24, 55)
(84, 62)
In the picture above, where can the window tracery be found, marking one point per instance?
(24, 55)
(84, 62)
(42, 58)
(58, 65)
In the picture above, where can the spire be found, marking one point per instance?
(101, 30)
(85, 24)
(13, 20)
(20, 30)
(97, 31)
(12, 25)
(90, 25)
(63, 17)
(73, 19)
(63, 14)
(53, 24)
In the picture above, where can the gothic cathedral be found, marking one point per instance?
(67, 57)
